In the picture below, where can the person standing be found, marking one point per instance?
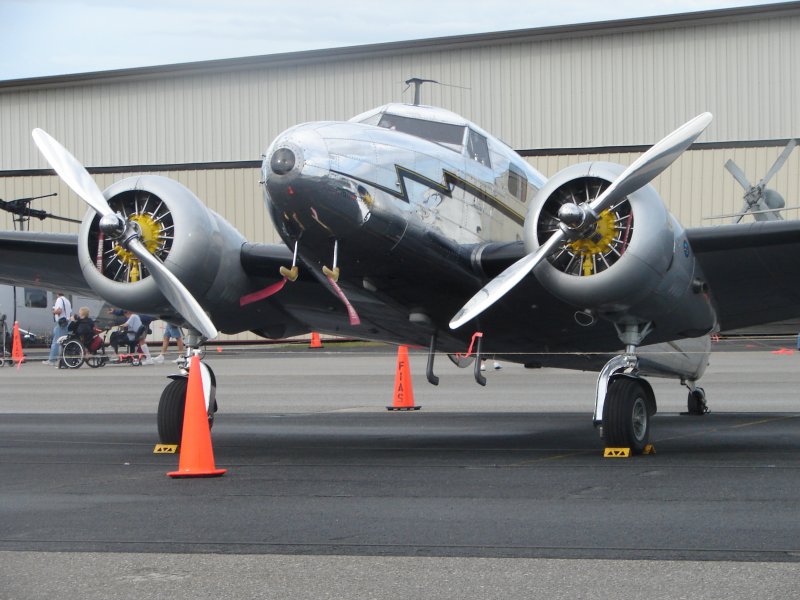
(62, 313)
(170, 331)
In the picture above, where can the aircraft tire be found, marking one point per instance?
(170, 411)
(626, 420)
(696, 402)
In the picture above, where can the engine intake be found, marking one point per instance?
(193, 242)
(633, 263)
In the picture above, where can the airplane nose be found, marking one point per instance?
(305, 187)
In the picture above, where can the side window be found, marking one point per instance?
(35, 298)
(517, 184)
(478, 149)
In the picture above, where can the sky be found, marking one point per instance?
(55, 37)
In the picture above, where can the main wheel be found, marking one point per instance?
(72, 354)
(171, 409)
(170, 412)
(626, 421)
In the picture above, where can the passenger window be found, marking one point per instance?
(517, 184)
(35, 298)
(477, 148)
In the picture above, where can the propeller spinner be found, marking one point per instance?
(579, 220)
(125, 231)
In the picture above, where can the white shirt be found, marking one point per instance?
(65, 306)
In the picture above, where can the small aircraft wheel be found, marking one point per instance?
(72, 354)
(135, 361)
(626, 421)
(696, 402)
(460, 361)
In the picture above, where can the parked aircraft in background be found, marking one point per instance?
(411, 224)
(31, 308)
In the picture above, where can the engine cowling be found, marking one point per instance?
(193, 242)
(635, 266)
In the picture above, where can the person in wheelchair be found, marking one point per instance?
(82, 326)
(82, 342)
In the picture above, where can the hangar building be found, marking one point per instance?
(558, 95)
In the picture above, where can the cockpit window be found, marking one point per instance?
(450, 136)
(478, 148)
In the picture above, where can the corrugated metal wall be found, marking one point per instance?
(607, 89)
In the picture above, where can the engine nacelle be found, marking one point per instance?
(193, 242)
(636, 266)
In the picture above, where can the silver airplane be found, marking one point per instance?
(410, 224)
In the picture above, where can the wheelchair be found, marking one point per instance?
(74, 353)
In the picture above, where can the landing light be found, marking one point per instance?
(283, 161)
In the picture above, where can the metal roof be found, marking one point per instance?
(415, 46)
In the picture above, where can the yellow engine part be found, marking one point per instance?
(600, 242)
(151, 238)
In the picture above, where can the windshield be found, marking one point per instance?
(446, 134)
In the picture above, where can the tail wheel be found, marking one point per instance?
(151, 216)
(609, 239)
(626, 420)
(72, 354)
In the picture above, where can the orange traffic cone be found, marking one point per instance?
(16, 347)
(403, 390)
(315, 341)
(197, 456)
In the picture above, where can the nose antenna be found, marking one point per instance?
(417, 85)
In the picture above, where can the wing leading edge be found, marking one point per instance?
(36, 259)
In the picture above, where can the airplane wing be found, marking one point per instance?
(751, 269)
(37, 259)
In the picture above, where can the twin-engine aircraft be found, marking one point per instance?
(410, 224)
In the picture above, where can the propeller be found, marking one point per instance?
(757, 196)
(126, 231)
(578, 220)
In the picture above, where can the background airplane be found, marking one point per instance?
(394, 220)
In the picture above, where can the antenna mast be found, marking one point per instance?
(417, 85)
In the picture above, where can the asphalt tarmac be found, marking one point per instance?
(495, 492)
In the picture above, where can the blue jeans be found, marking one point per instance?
(58, 331)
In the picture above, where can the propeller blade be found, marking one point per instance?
(78, 179)
(500, 285)
(738, 175)
(71, 172)
(176, 293)
(652, 163)
(778, 162)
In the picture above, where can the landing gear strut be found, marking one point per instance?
(624, 401)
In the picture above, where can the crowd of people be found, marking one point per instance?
(130, 337)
